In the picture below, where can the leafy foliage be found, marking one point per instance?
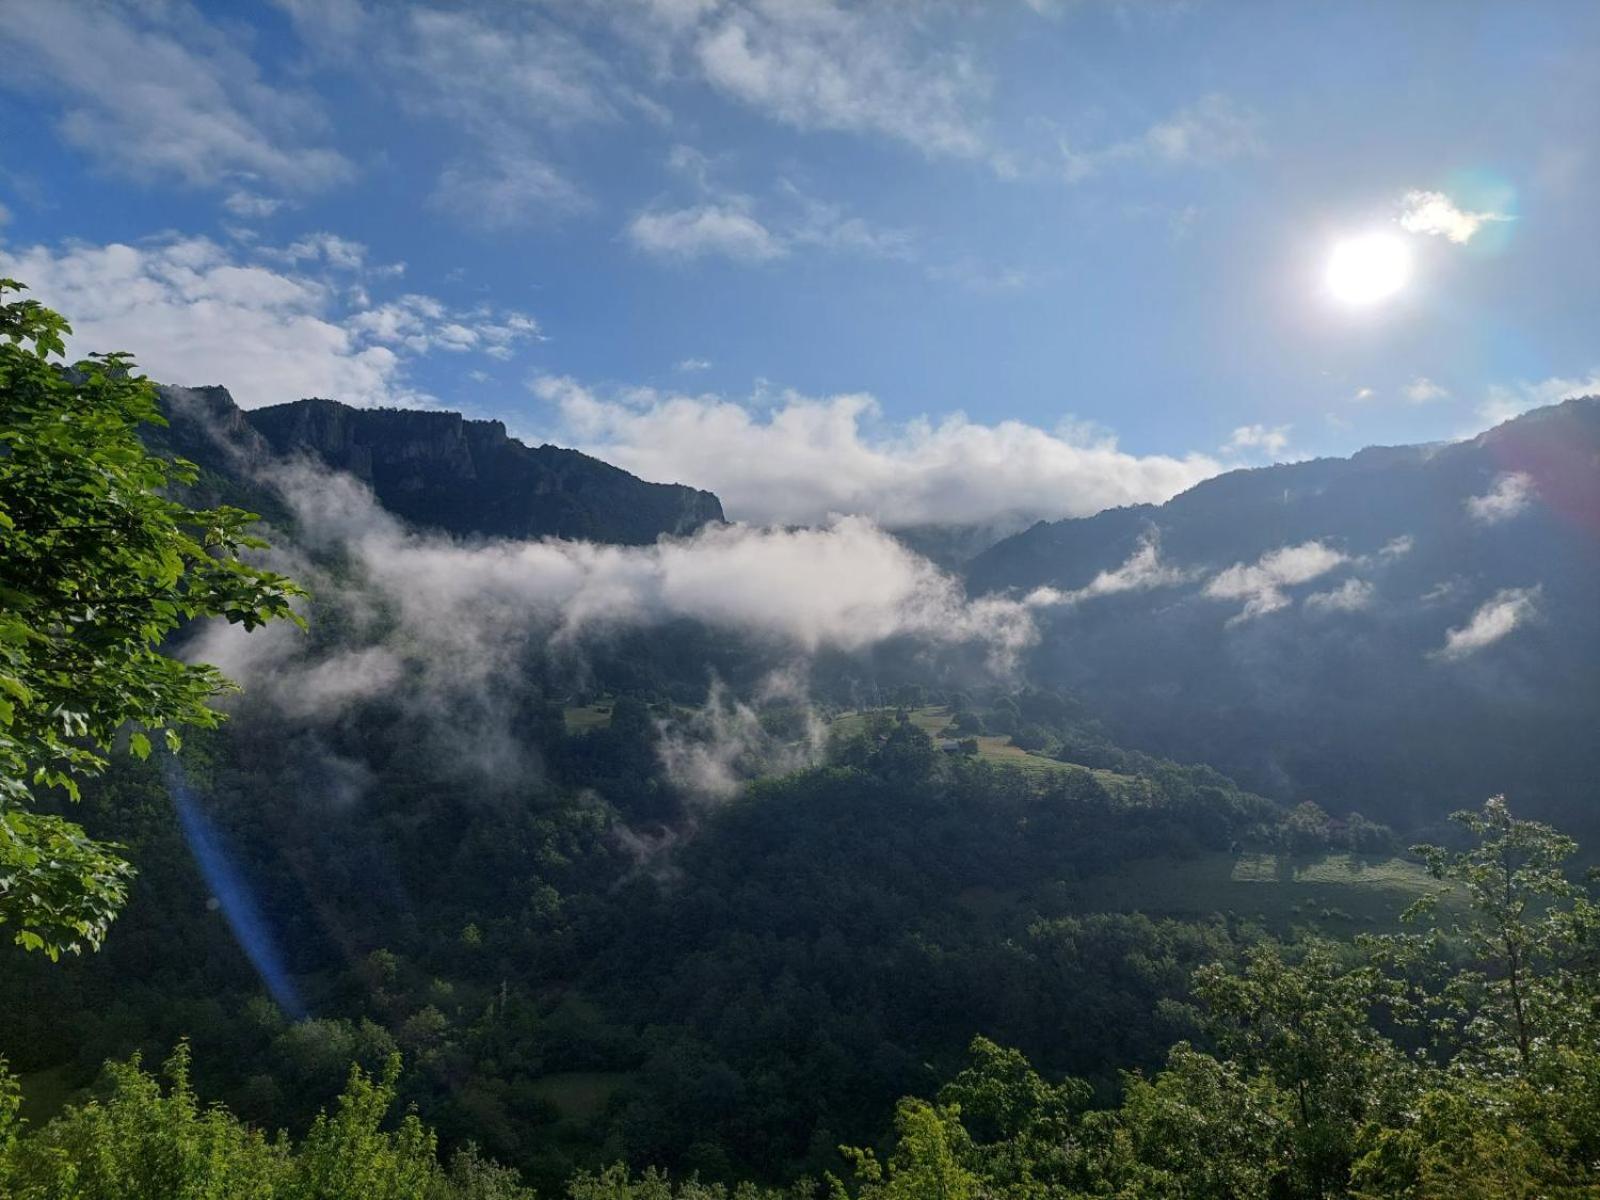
(100, 566)
(1313, 1085)
(143, 1142)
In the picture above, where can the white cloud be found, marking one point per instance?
(1261, 584)
(1354, 595)
(707, 229)
(1496, 617)
(848, 585)
(713, 751)
(820, 65)
(249, 205)
(442, 629)
(1270, 440)
(154, 91)
(193, 312)
(1510, 496)
(692, 364)
(802, 459)
(1436, 213)
(1142, 571)
(725, 224)
(1504, 402)
(1397, 547)
(328, 248)
(503, 189)
(1422, 390)
(1212, 131)
(502, 79)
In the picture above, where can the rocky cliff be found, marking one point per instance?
(439, 470)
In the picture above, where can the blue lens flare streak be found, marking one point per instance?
(233, 895)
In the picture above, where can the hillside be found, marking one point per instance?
(1391, 631)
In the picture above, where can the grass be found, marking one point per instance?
(934, 720)
(587, 717)
(580, 1095)
(1335, 893)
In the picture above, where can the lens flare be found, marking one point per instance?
(233, 895)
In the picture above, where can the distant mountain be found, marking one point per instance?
(438, 470)
(1400, 632)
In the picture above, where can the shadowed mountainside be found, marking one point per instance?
(1413, 623)
(439, 470)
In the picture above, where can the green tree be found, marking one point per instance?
(926, 1164)
(1531, 929)
(101, 566)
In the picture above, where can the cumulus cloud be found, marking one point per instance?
(692, 364)
(1142, 571)
(1261, 584)
(155, 91)
(1494, 619)
(1510, 496)
(194, 312)
(802, 459)
(1269, 440)
(1436, 213)
(1353, 595)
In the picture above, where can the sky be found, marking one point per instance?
(927, 260)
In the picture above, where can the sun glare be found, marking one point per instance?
(1364, 270)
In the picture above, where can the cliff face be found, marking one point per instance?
(438, 470)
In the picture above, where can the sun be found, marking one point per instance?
(1366, 269)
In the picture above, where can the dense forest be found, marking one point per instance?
(906, 931)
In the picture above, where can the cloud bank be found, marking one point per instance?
(805, 459)
(461, 610)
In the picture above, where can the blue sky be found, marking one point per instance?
(697, 235)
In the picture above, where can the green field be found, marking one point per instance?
(1335, 893)
(935, 720)
(588, 716)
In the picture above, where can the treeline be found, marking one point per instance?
(735, 997)
(1457, 1061)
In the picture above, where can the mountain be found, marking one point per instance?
(1396, 632)
(439, 470)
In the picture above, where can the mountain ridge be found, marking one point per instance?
(441, 470)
